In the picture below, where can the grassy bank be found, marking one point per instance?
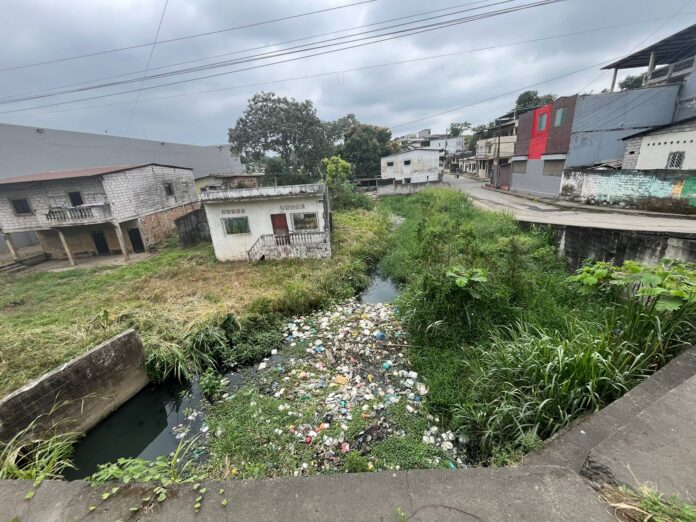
(511, 348)
(172, 299)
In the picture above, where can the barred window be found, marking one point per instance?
(236, 225)
(305, 221)
(675, 160)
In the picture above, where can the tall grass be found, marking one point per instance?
(512, 348)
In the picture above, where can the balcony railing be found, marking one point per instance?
(79, 215)
(671, 73)
(277, 246)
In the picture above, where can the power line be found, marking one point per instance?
(469, 19)
(180, 38)
(284, 52)
(357, 69)
(12, 97)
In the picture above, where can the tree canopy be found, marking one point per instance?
(363, 147)
(530, 99)
(286, 127)
(631, 82)
(457, 129)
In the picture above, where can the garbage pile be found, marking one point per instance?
(351, 362)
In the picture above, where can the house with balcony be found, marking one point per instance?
(116, 209)
(252, 224)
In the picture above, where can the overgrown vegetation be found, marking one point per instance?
(514, 349)
(179, 301)
(644, 503)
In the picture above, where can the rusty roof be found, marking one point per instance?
(77, 173)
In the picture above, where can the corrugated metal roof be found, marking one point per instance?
(75, 173)
(669, 50)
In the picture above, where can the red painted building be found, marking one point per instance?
(543, 140)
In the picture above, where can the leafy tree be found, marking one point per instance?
(364, 146)
(631, 82)
(530, 99)
(286, 127)
(344, 193)
(457, 129)
(336, 130)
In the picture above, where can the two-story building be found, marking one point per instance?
(227, 181)
(269, 222)
(96, 211)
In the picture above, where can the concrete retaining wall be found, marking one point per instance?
(407, 188)
(193, 227)
(576, 244)
(88, 388)
(662, 190)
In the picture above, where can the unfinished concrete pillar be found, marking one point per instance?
(121, 241)
(11, 247)
(64, 242)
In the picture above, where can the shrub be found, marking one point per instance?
(211, 385)
(356, 463)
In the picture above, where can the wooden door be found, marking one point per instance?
(280, 229)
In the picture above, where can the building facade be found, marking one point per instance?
(97, 211)
(227, 181)
(412, 166)
(669, 147)
(543, 139)
(269, 222)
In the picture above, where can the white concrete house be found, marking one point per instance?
(96, 211)
(269, 222)
(412, 166)
(669, 146)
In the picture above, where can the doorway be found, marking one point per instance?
(100, 243)
(136, 240)
(280, 229)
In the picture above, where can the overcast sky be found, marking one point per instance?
(41, 30)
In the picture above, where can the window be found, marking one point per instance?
(390, 163)
(519, 167)
(305, 221)
(75, 199)
(169, 189)
(561, 116)
(236, 225)
(21, 206)
(675, 160)
(407, 162)
(541, 122)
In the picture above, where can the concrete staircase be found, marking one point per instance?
(649, 435)
(11, 268)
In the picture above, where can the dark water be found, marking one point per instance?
(147, 425)
(381, 290)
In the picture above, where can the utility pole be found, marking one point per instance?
(497, 159)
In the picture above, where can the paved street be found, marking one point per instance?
(543, 212)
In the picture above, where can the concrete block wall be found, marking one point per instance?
(158, 226)
(80, 241)
(632, 152)
(140, 192)
(87, 388)
(534, 181)
(193, 227)
(660, 190)
(42, 196)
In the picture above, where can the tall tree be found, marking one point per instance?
(364, 146)
(457, 129)
(336, 130)
(530, 99)
(282, 126)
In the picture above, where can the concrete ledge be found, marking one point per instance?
(87, 388)
(490, 494)
(570, 447)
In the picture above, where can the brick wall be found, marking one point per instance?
(630, 159)
(661, 190)
(158, 226)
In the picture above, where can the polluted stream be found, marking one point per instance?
(152, 422)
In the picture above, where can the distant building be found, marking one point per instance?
(496, 148)
(96, 211)
(269, 222)
(410, 171)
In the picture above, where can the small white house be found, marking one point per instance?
(412, 166)
(269, 222)
(671, 147)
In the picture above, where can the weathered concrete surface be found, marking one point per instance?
(86, 389)
(570, 447)
(545, 212)
(657, 447)
(492, 494)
